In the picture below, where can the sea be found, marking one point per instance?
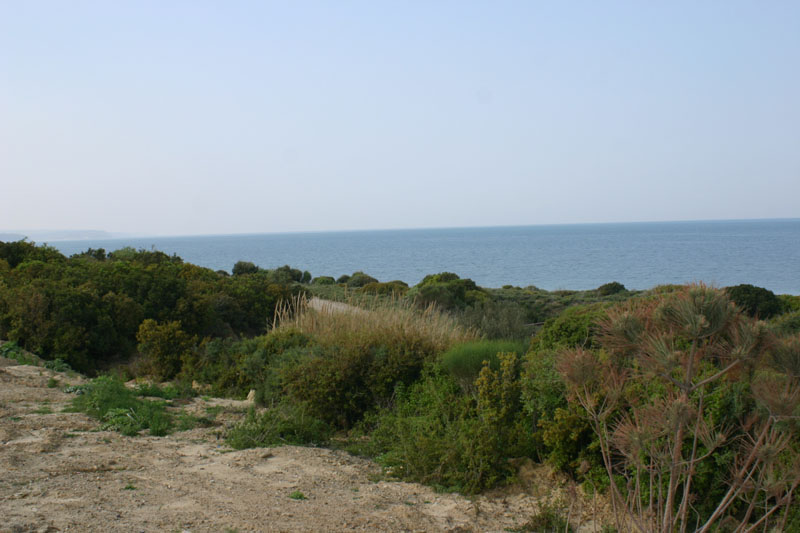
(765, 253)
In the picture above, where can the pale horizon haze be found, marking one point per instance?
(195, 117)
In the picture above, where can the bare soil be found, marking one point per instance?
(58, 472)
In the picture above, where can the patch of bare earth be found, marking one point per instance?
(59, 473)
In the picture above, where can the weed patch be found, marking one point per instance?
(108, 400)
(283, 424)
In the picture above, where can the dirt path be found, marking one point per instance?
(60, 474)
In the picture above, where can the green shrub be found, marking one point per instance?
(755, 301)
(388, 288)
(438, 435)
(323, 280)
(164, 346)
(576, 326)
(786, 324)
(608, 289)
(57, 365)
(234, 367)
(789, 302)
(446, 290)
(10, 350)
(360, 354)
(109, 400)
(497, 319)
(464, 361)
(562, 433)
(244, 267)
(283, 424)
(359, 279)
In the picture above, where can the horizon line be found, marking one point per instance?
(130, 235)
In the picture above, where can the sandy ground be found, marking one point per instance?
(59, 473)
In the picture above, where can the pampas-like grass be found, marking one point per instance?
(364, 321)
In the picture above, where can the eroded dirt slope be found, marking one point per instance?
(58, 473)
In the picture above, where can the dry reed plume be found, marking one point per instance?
(365, 321)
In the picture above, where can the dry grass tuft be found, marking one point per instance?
(363, 321)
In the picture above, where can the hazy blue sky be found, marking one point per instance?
(169, 117)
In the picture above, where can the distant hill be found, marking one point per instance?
(54, 235)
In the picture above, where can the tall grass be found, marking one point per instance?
(362, 350)
(366, 321)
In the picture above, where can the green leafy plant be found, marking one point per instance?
(464, 361)
(279, 425)
(108, 400)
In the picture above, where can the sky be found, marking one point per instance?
(193, 117)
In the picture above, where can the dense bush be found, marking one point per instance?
(495, 319)
(360, 354)
(755, 301)
(786, 324)
(244, 267)
(446, 290)
(359, 279)
(234, 367)
(439, 435)
(164, 347)
(389, 288)
(464, 361)
(323, 280)
(87, 309)
(574, 327)
(692, 397)
(608, 289)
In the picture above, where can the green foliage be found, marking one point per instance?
(438, 435)
(389, 288)
(323, 280)
(244, 267)
(497, 319)
(360, 354)
(574, 327)
(689, 391)
(464, 361)
(786, 324)
(543, 390)
(10, 350)
(170, 391)
(608, 289)
(789, 303)
(57, 365)
(360, 279)
(17, 252)
(282, 424)
(297, 495)
(164, 346)
(755, 301)
(234, 367)
(108, 399)
(87, 309)
(446, 290)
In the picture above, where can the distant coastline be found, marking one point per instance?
(576, 256)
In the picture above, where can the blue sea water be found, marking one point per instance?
(765, 253)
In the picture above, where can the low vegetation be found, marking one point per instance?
(679, 403)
